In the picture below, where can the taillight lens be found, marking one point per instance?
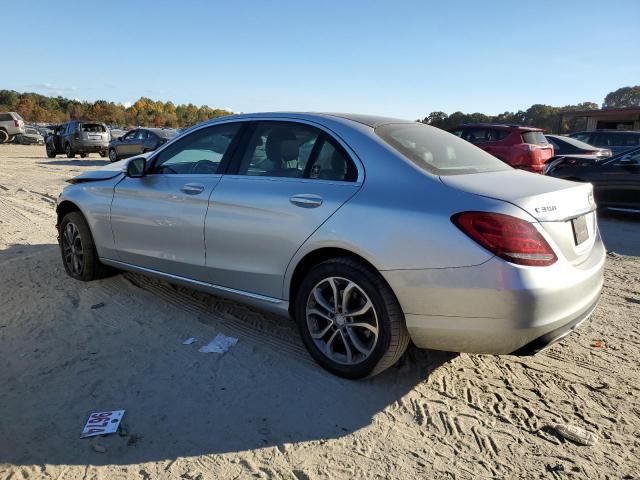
(510, 238)
(16, 123)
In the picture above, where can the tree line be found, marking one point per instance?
(542, 116)
(37, 108)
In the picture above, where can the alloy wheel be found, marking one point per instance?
(72, 249)
(342, 320)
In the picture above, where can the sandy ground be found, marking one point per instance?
(264, 409)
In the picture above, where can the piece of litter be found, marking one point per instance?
(189, 341)
(220, 344)
(597, 343)
(99, 448)
(576, 434)
(97, 305)
(102, 423)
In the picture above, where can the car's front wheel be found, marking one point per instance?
(69, 151)
(103, 153)
(349, 318)
(113, 156)
(79, 254)
(51, 153)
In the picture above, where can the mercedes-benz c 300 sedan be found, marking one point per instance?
(368, 231)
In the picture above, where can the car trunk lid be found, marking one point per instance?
(565, 210)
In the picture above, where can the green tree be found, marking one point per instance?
(623, 97)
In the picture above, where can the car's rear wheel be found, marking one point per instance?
(4, 136)
(113, 156)
(103, 153)
(349, 318)
(83, 155)
(79, 254)
(50, 152)
(69, 151)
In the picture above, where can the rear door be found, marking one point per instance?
(158, 219)
(288, 179)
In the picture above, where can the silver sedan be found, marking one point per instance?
(368, 231)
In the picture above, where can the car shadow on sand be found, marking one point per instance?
(73, 348)
(620, 232)
(76, 163)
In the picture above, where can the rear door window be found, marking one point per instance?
(623, 140)
(5, 117)
(279, 149)
(332, 163)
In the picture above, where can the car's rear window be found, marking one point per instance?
(438, 151)
(534, 138)
(93, 127)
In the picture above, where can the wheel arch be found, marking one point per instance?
(312, 258)
(65, 207)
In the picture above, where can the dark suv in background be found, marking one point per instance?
(617, 141)
(521, 147)
(76, 137)
(138, 141)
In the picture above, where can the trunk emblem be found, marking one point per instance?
(546, 209)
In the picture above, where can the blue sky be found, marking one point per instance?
(398, 58)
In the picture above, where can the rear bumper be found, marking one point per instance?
(497, 307)
(90, 147)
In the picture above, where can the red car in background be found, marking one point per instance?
(521, 147)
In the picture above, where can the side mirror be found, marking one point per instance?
(136, 167)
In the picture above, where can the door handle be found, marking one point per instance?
(192, 188)
(306, 200)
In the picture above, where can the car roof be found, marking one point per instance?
(503, 125)
(372, 121)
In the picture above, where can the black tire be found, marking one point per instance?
(91, 268)
(50, 153)
(4, 136)
(69, 151)
(103, 154)
(392, 338)
(113, 156)
(83, 155)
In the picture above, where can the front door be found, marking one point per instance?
(288, 180)
(158, 219)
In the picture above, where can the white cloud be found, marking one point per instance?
(53, 89)
(127, 104)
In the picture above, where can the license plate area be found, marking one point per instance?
(580, 230)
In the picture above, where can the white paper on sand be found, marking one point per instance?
(102, 423)
(220, 344)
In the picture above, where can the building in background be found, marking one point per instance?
(611, 118)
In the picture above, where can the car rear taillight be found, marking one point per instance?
(510, 238)
(16, 123)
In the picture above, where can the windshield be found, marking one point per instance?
(438, 151)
